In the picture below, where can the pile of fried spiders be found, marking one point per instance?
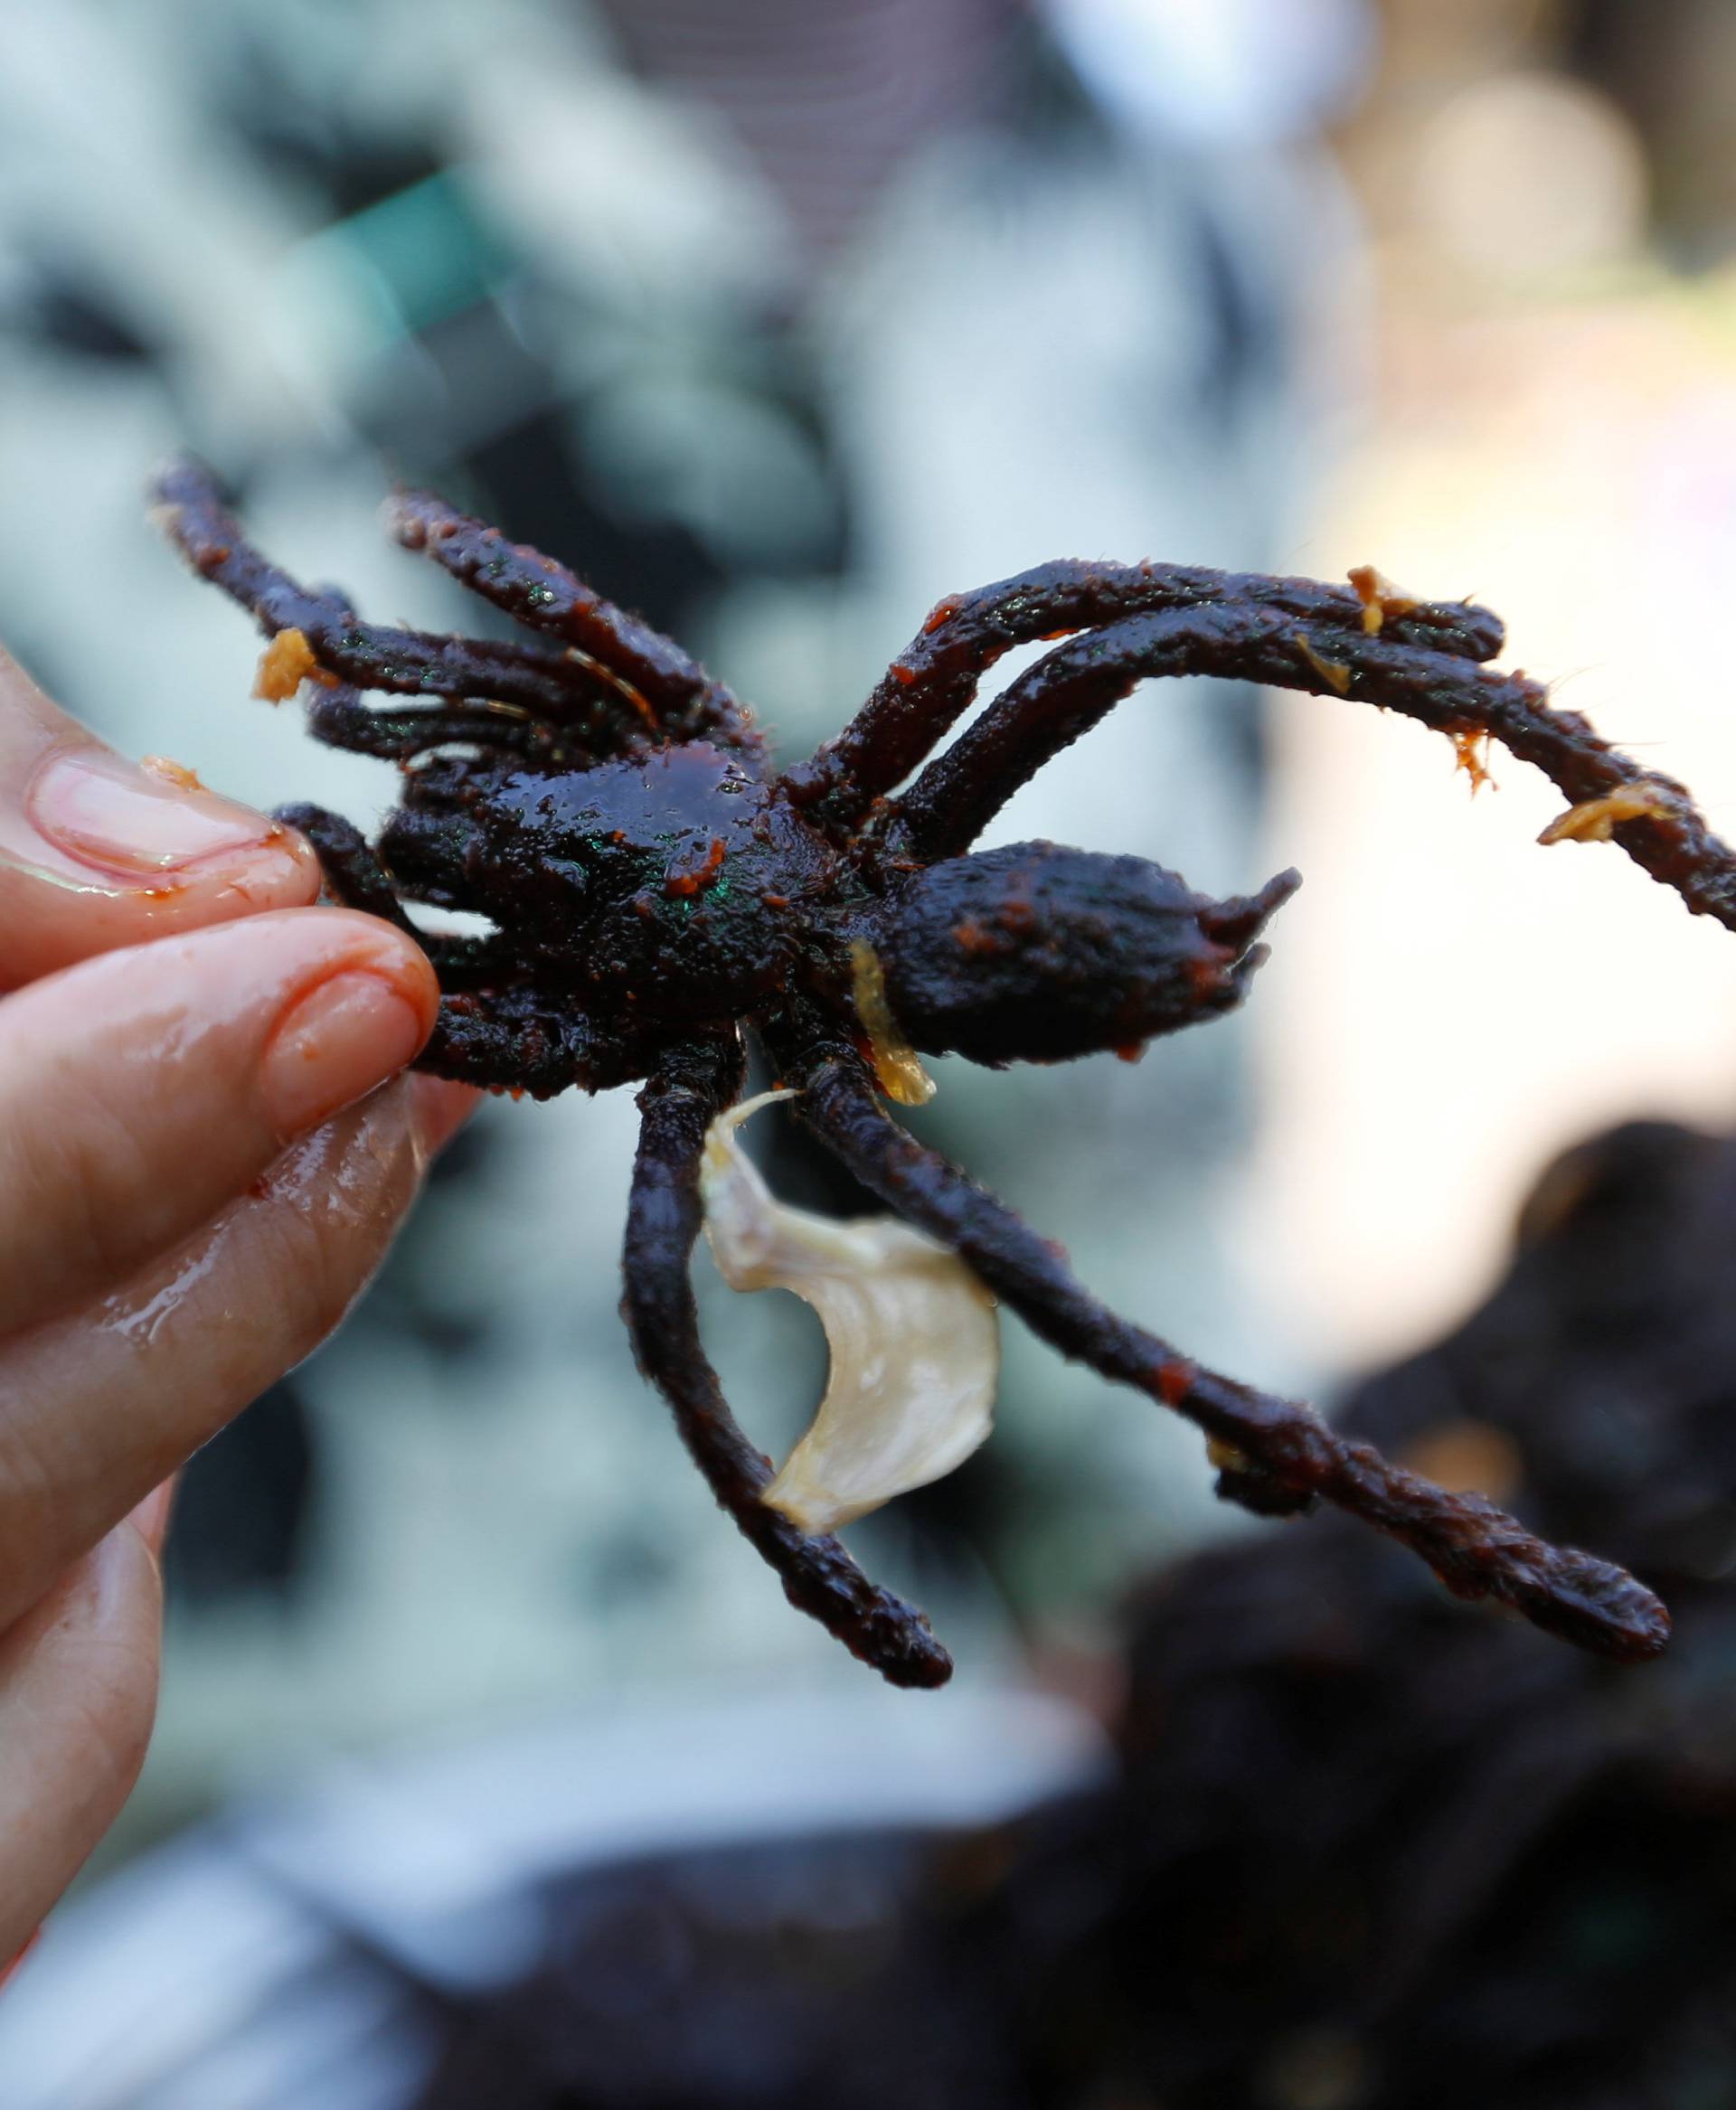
(656, 887)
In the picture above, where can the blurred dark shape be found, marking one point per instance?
(414, 1300)
(282, 113)
(1669, 65)
(72, 317)
(243, 1506)
(1367, 1849)
(1607, 1355)
(745, 1977)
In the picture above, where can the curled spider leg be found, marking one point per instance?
(682, 701)
(339, 718)
(689, 1089)
(1274, 1454)
(355, 876)
(500, 1037)
(934, 679)
(1065, 694)
(188, 506)
(491, 1031)
(514, 1040)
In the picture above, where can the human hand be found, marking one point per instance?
(198, 1174)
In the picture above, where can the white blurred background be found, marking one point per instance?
(1549, 423)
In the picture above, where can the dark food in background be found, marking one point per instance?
(655, 887)
(1364, 1852)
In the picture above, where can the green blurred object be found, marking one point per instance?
(426, 251)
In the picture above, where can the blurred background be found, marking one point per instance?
(777, 320)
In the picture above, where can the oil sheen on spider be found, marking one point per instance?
(663, 895)
(674, 887)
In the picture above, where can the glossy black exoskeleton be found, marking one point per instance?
(655, 887)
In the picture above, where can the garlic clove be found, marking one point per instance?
(912, 1334)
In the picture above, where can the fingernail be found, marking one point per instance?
(150, 1519)
(337, 1044)
(106, 813)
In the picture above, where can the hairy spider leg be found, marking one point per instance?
(1273, 1454)
(933, 681)
(566, 690)
(679, 698)
(688, 1089)
(1066, 692)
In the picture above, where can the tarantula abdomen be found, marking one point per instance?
(1039, 954)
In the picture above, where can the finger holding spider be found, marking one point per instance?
(659, 893)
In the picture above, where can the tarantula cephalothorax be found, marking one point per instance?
(656, 887)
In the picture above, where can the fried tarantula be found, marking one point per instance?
(657, 886)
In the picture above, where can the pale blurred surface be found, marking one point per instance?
(1551, 427)
(288, 1956)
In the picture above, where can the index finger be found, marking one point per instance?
(97, 852)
